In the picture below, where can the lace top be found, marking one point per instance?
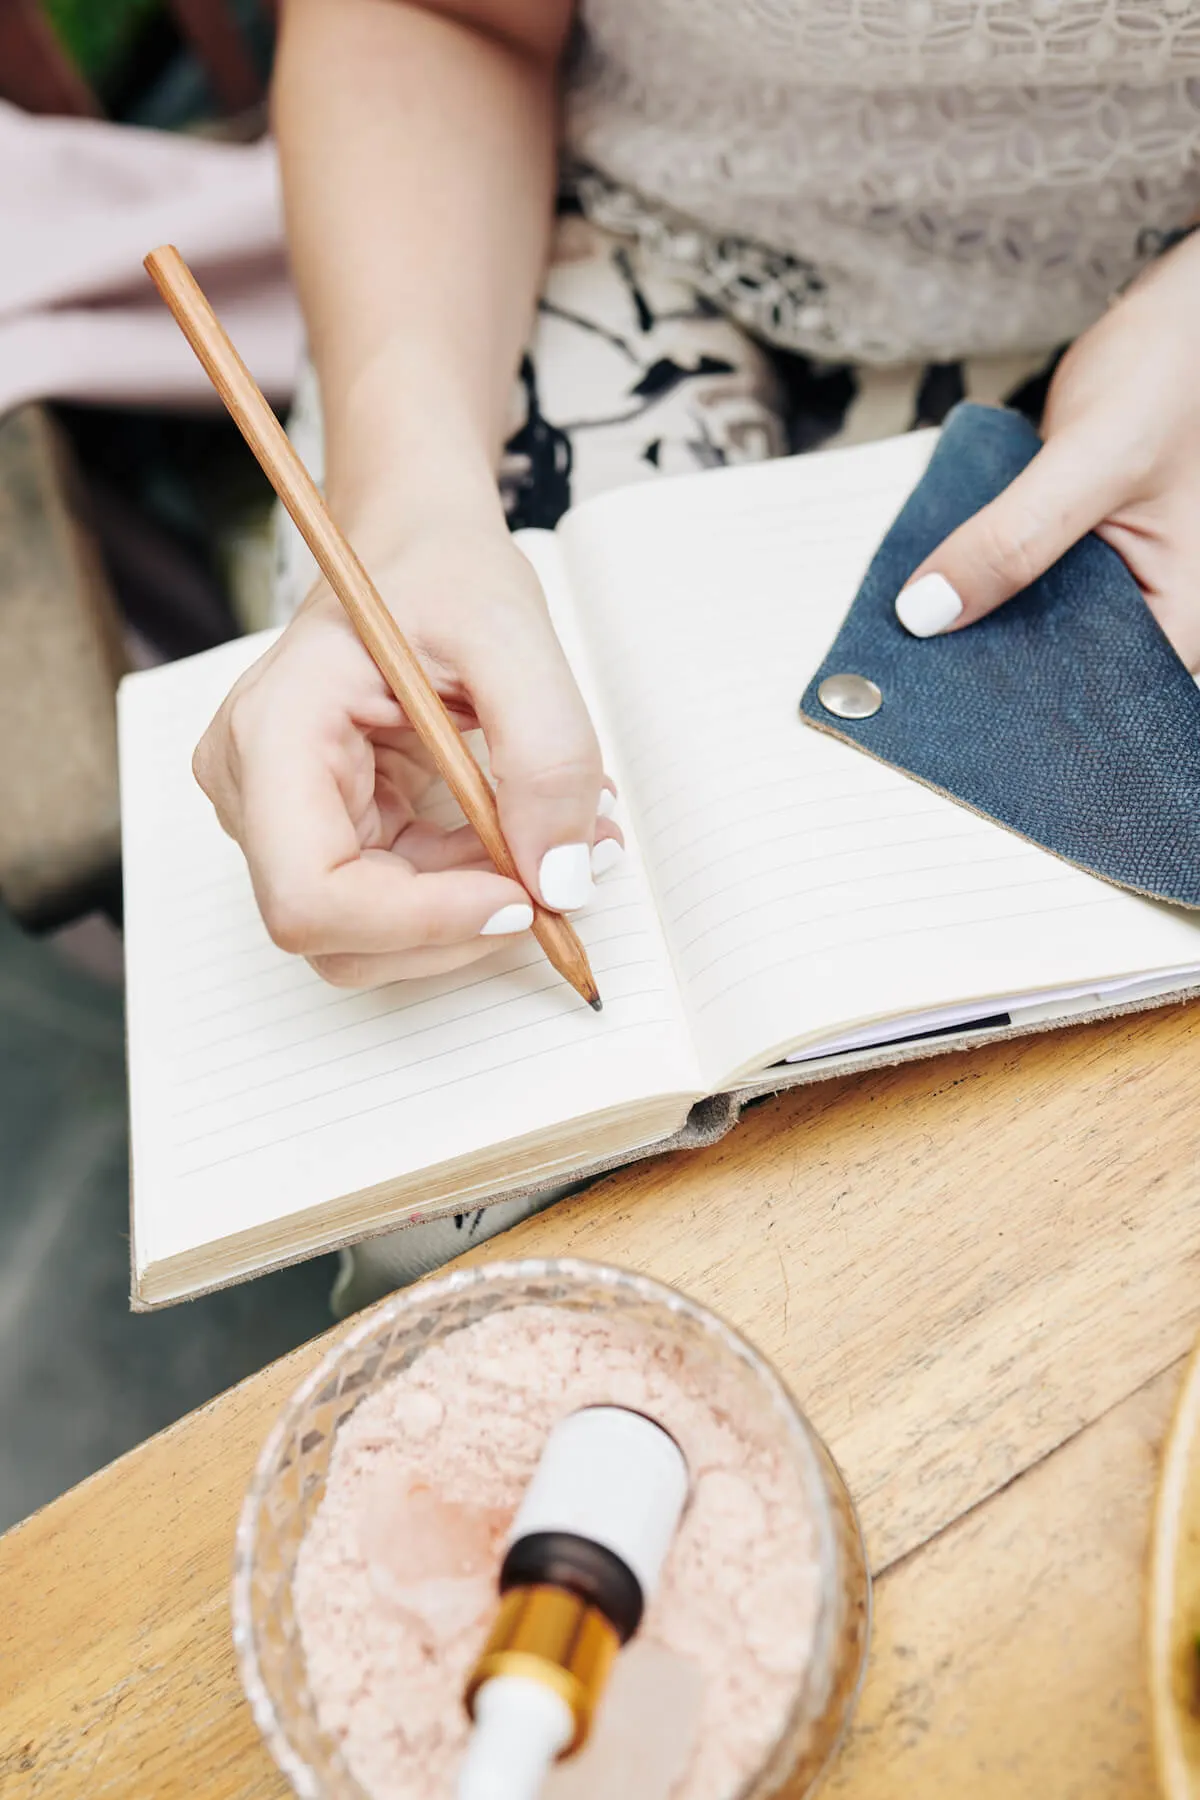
(885, 180)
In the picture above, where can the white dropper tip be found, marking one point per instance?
(520, 1728)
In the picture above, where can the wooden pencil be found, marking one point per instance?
(380, 634)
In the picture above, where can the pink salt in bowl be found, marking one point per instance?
(622, 1337)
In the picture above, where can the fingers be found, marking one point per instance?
(544, 756)
(428, 848)
(1068, 488)
(290, 775)
(320, 894)
(314, 776)
(367, 970)
(376, 905)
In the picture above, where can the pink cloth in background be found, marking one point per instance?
(81, 203)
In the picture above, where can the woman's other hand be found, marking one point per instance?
(1122, 458)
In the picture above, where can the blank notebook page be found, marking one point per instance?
(805, 887)
(257, 1090)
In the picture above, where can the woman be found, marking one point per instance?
(873, 184)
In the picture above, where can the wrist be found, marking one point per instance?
(406, 512)
(419, 566)
(411, 445)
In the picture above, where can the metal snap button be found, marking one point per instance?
(850, 696)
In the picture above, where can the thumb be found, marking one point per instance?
(1068, 488)
(545, 759)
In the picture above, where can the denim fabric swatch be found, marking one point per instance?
(1065, 715)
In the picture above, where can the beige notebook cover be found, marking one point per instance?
(788, 909)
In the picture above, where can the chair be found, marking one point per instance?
(61, 640)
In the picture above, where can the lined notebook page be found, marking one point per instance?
(257, 1090)
(806, 889)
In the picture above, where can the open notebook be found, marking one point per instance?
(787, 907)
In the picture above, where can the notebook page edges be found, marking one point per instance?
(807, 890)
(448, 1189)
(1018, 1009)
(257, 1091)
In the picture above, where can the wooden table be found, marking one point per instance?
(979, 1273)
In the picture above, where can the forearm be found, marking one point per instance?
(418, 164)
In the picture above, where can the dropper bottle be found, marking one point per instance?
(584, 1556)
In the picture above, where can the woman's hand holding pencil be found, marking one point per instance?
(319, 757)
(314, 770)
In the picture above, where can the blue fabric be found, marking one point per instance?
(1065, 715)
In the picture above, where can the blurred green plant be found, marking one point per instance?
(98, 33)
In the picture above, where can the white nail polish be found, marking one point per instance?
(509, 920)
(565, 877)
(607, 805)
(605, 856)
(928, 606)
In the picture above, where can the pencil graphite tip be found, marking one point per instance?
(597, 1005)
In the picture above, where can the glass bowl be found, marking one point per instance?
(289, 1482)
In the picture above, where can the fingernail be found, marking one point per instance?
(565, 877)
(605, 856)
(509, 920)
(928, 606)
(607, 804)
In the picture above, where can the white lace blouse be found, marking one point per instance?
(886, 180)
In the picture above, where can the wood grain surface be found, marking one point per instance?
(978, 1275)
(1008, 1657)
